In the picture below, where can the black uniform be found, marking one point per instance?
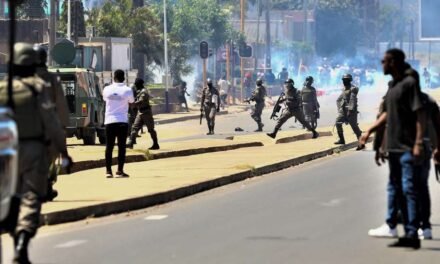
(132, 111)
(293, 102)
(210, 105)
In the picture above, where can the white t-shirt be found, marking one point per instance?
(117, 96)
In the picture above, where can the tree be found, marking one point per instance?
(337, 27)
(78, 24)
(32, 9)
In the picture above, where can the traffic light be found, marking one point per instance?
(204, 50)
(245, 51)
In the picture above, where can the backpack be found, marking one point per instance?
(26, 97)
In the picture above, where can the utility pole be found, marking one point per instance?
(401, 27)
(52, 29)
(165, 33)
(69, 21)
(268, 37)
(256, 49)
(242, 3)
(305, 3)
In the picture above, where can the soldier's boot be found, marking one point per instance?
(21, 248)
(315, 134)
(260, 127)
(341, 140)
(274, 133)
(155, 145)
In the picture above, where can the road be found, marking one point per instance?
(315, 213)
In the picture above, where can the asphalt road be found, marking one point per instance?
(316, 213)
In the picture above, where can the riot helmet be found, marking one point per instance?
(41, 55)
(347, 79)
(259, 82)
(309, 80)
(139, 83)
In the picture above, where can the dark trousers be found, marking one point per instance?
(404, 191)
(352, 120)
(116, 131)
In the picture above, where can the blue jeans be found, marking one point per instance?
(404, 188)
(425, 200)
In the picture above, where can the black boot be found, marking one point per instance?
(273, 134)
(155, 141)
(260, 127)
(341, 140)
(21, 248)
(131, 141)
(315, 134)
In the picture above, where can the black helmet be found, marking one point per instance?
(347, 77)
(41, 54)
(289, 81)
(139, 82)
(209, 81)
(259, 81)
(183, 83)
(309, 78)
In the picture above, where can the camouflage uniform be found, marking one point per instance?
(258, 96)
(310, 105)
(211, 105)
(132, 111)
(347, 112)
(293, 103)
(144, 117)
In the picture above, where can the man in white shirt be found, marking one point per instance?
(117, 97)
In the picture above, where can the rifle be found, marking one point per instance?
(277, 107)
(201, 116)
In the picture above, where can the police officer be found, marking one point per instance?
(182, 93)
(56, 95)
(310, 102)
(133, 110)
(347, 104)
(210, 105)
(144, 117)
(258, 96)
(293, 103)
(38, 125)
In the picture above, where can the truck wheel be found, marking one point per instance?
(89, 138)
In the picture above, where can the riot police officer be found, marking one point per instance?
(210, 105)
(182, 93)
(133, 110)
(38, 125)
(258, 96)
(144, 117)
(56, 95)
(292, 100)
(347, 104)
(310, 103)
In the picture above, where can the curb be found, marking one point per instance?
(100, 163)
(137, 203)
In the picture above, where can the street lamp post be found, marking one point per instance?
(165, 33)
(68, 20)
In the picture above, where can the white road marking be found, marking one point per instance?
(71, 244)
(155, 217)
(333, 203)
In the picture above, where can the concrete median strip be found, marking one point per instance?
(57, 214)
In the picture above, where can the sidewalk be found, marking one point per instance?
(88, 193)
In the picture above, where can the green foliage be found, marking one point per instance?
(287, 4)
(32, 9)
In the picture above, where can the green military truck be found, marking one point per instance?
(83, 93)
(85, 103)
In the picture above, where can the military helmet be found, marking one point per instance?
(259, 81)
(41, 54)
(347, 77)
(139, 82)
(209, 81)
(183, 83)
(24, 54)
(289, 81)
(309, 78)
